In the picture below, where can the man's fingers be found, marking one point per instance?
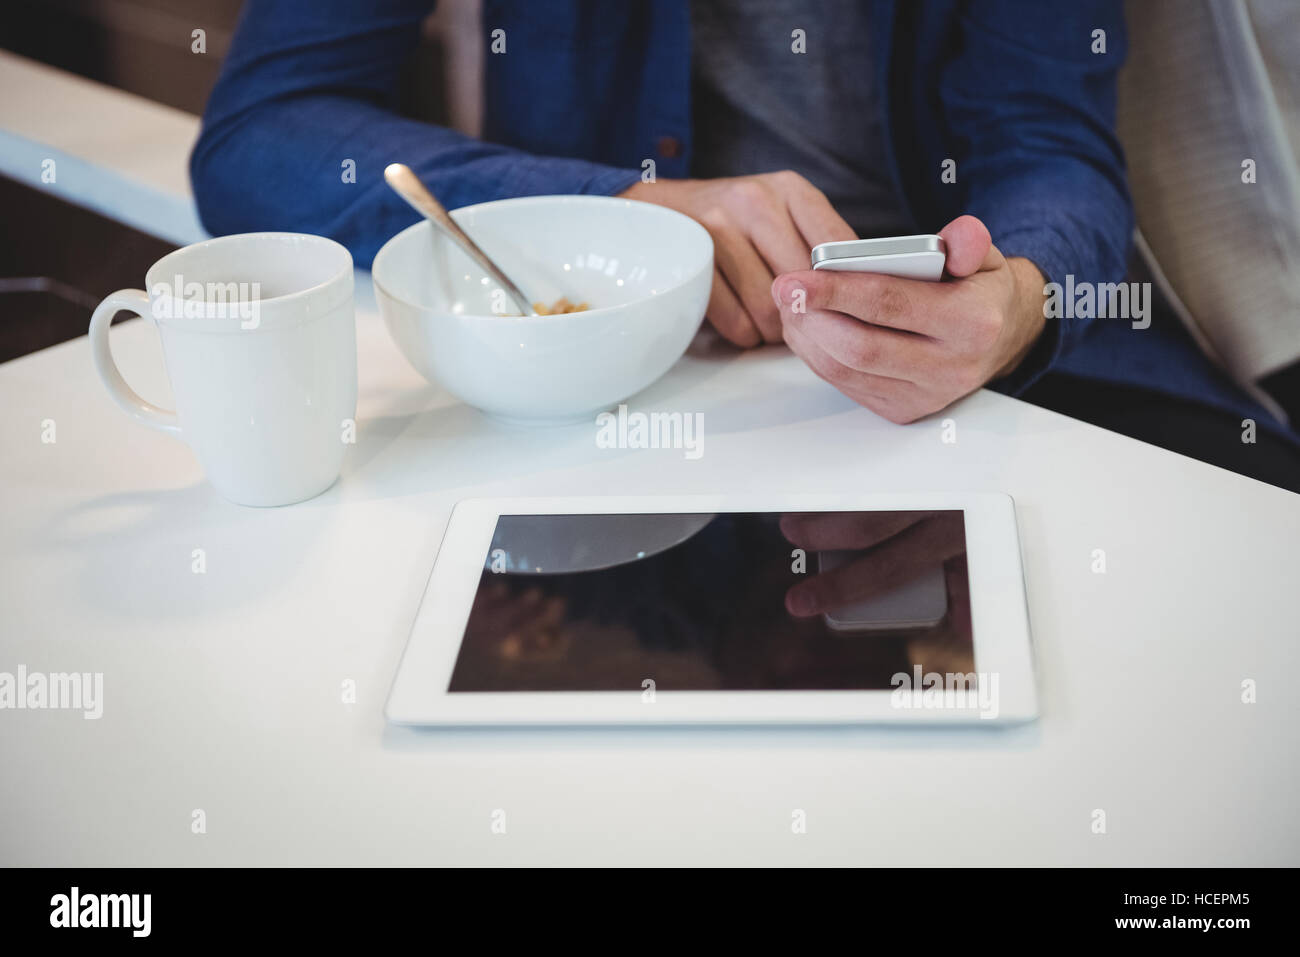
(779, 241)
(747, 275)
(899, 560)
(728, 316)
(762, 226)
(970, 249)
(873, 574)
(890, 398)
(813, 213)
(838, 530)
(863, 347)
(910, 305)
(865, 388)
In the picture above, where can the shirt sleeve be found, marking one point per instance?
(1033, 96)
(302, 122)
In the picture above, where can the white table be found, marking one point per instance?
(222, 690)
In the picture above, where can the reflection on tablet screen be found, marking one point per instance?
(729, 602)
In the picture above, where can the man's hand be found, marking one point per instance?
(893, 549)
(904, 347)
(762, 226)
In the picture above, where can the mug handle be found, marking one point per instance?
(146, 413)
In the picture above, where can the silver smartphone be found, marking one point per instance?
(909, 257)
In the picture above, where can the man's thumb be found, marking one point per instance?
(970, 249)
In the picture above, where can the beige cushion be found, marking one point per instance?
(1208, 84)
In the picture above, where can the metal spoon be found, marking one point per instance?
(408, 186)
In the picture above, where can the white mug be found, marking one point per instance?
(259, 338)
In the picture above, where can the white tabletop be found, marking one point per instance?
(222, 690)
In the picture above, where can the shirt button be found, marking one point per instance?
(669, 147)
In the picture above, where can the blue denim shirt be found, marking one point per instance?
(585, 91)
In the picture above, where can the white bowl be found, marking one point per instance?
(645, 271)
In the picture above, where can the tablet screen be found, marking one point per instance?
(727, 602)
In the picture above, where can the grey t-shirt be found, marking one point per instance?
(761, 107)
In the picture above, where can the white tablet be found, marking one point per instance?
(799, 609)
